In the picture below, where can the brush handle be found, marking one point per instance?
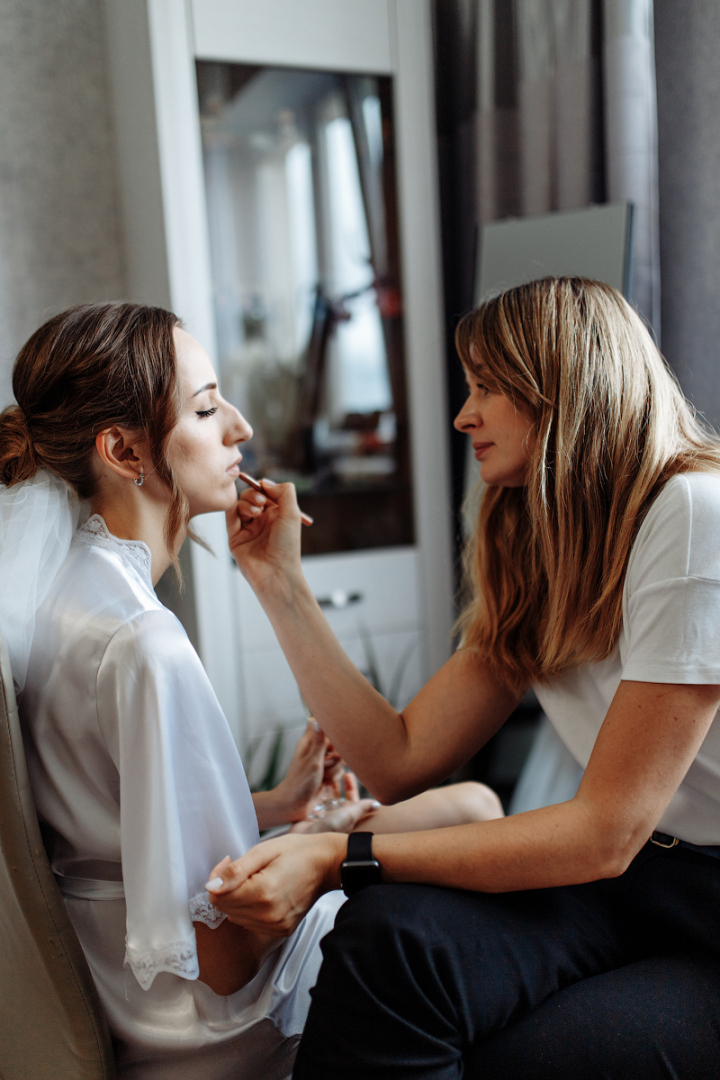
(257, 486)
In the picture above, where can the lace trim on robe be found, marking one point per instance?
(95, 531)
(201, 910)
(177, 958)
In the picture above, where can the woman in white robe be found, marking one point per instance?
(138, 784)
(119, 713)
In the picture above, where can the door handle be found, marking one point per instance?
(339, 599)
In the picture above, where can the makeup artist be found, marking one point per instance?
(578, 940)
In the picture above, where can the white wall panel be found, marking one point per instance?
(339, 35)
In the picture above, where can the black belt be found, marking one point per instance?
(661, 839)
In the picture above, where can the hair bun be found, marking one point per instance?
(17, 456)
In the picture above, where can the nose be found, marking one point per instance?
(466, 420)
(239, 429)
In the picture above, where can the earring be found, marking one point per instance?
(140, 480)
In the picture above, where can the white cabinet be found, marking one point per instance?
(158, 50)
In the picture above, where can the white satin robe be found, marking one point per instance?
(140, 792)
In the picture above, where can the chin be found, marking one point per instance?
(503, 481)
(222, 502)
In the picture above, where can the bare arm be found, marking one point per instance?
(395, 754)
(648, 741)
(230, 956)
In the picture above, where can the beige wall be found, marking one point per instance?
(59, 219)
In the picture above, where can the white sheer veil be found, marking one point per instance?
(38, 518)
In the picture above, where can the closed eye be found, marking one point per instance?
(203, 413)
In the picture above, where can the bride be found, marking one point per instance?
(138, 784)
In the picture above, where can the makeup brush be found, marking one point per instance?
(257, 486)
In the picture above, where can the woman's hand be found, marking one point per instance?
(264, 533)
(315, 765)
(273, 885)
(353, 811)
(315, 775)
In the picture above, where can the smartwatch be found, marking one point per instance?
(360, 868)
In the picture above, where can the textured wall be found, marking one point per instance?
(687, 40)
(59, 219)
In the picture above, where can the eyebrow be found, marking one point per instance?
(207, 386)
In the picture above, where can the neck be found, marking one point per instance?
(137, 516)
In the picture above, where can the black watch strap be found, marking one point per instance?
(360, 868)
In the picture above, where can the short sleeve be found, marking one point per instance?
(671, 624)
(184, 798)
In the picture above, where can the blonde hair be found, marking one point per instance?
(547, 562)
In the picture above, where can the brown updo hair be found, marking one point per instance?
(85, 370)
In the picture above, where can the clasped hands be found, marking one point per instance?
(272, 886)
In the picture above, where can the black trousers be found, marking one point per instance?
(606, 981)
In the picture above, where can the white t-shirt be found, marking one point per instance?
(670, 634)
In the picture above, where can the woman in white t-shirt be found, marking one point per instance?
(579, 940)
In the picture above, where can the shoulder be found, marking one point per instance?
(680, 536)
(103, 580)
(151, 639)
(92, 596)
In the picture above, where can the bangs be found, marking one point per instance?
(487, 344)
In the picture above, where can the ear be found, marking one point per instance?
(121, 453)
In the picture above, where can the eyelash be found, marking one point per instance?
(203, 413)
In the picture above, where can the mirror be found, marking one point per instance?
(303, 224)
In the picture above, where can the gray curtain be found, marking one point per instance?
(566, 117)
(543, 105)
(631, 139)
(539, 107)
(688, 66)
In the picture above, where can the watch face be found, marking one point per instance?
(360, 870)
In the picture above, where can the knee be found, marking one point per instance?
(476, 802)
(375, 912)
(371, 922)
(368, 931)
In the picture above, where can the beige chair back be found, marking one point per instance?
(52, 1025)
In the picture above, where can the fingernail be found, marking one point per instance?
(316, 726)
(214, 885)
(376, 804)
(265, 480)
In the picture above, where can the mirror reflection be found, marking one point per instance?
(302, 209)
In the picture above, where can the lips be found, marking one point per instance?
(480, 449)
(234, 469)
